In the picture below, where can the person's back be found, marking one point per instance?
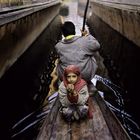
(77, 50)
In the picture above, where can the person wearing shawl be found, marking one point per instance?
(73, 94)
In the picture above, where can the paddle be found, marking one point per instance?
(85, 14)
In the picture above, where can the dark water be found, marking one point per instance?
(27, 127)
(115, 101)
(25, 85)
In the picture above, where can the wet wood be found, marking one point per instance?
(100, 127)
(86, 130)
(97, 128)
(75, 127)
(115, 127)
(60, 131)
(45, 132)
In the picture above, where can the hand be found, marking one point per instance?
(84, 33)
(75, 93)
(70, 88)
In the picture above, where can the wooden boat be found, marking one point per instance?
(103, 126)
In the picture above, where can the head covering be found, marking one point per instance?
(74, 69)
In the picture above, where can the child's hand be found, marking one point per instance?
(70, 88)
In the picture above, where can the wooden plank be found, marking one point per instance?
(56, 128)
(75, 127)
(86, 131)
(116, 129)
(101, 129)
(46, 130)
(61, 130)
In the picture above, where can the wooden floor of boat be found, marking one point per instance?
(55, 128)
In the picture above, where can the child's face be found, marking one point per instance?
(72, 78)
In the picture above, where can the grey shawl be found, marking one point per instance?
(78, 51)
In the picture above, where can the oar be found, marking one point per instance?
(85, 14)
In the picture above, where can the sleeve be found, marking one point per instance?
(63, 95)
(83, 95)
(92, 45)
(56, 47)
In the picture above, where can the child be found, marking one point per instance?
(73, 94)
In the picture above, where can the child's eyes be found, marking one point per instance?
(71, 76)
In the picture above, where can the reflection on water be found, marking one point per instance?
(27, 127)
(32, 120)
(73, 15)
(126, 119)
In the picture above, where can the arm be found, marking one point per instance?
(92, 45)
(83, 95)
(72, 94)
(63, 95)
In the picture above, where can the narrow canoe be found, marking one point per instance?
(103, 126)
